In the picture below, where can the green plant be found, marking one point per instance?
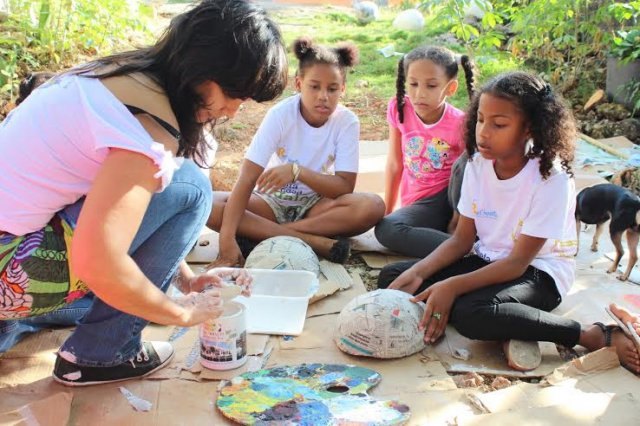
(627, 46)
(56, 34)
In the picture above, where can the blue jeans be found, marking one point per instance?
(12, 331)
(170, 227)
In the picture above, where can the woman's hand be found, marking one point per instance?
(409, 281)
(439, 299)
(200, 307)
(275, 178)
(229, 255)
(221, 279)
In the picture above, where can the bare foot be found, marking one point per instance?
(626, 316)
(593, 338)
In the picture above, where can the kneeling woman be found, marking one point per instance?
(99, 192)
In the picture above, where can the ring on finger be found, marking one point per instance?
(437, 315)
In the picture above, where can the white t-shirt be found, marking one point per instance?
(285, 137)
(54, 143)
(524, 204)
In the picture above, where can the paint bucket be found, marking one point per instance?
(223, 340)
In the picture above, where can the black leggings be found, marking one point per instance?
(517, 309)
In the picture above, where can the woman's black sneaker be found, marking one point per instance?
(153, 356)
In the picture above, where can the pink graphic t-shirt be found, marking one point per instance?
(428, 151)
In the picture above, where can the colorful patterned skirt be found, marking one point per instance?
(35, 277)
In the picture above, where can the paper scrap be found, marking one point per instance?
(136, 402)
(336, 273)
(327, 288)
(600, 360)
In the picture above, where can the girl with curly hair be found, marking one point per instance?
(517, 214)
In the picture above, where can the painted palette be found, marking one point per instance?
(309, 394)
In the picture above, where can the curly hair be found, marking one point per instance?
(343, 55)
(551, 123)
(442, 56)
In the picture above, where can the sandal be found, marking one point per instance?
(523, 355)
(608, 331)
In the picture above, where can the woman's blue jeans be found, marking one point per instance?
(171, 225)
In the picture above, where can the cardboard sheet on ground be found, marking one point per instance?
(326, 289)
(52, 410)
(403, 375)
(337, 301)
(488, 357)
(566, 391)
(336, 273)
(583, 409)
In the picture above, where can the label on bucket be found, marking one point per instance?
(223, 341)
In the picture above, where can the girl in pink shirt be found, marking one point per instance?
(425, 135)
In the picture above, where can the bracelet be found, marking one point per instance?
(295, 169)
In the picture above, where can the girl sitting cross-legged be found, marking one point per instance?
(300, 170)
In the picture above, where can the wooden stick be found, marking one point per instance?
(603, 146)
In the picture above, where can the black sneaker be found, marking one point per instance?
(153, 356)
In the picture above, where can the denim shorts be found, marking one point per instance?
(285, 211)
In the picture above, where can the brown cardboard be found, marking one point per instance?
(52, 410)
(487, 357)
(585, 409)
(335, 303)
(590, 363)
(337, 273)
(326, 289)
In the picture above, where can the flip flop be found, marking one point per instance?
(608, 332)
(523, 355)
(626, 328)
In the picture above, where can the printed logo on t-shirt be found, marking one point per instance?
(326, 167)
(516, 232)
(482, 213)
(421, 158)
(564, 248)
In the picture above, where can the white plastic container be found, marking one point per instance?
(223, 341)
(279, 300)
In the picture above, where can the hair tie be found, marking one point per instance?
(459, 60)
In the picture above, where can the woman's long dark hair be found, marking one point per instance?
(231, 42)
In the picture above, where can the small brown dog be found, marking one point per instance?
(599, 203)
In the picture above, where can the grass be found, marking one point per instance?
(375, 75)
